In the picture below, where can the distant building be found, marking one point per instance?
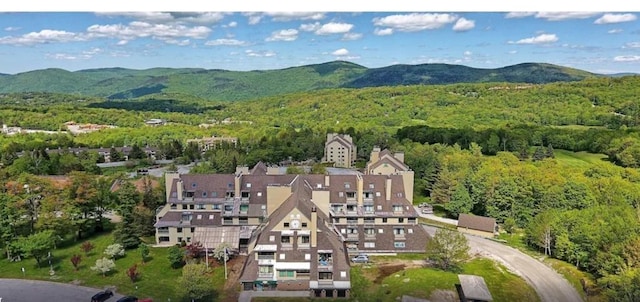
(385, 163)
(76, 128)
(340, 150)
(155, 122)
(477, 225)
(208, 143)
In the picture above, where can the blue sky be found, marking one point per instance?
(602, 42)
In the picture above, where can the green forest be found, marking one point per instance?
(556, 162)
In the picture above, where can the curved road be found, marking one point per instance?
(548, 284)
(19, 290)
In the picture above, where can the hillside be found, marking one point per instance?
(224, 85)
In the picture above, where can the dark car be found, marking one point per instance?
(102, 296)
(128, 299)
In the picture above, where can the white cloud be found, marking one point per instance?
(139, 29)
(351, 36)
(184, 42)
(540, 39)
(283, 35)
(383, 32)
(290, 16)
(61, 56)
(41, 37)
(232, 24)
(561, 16)
(252, 53)
(415, 21)
(464, 25)
(173, 17)
(615, 31)
(626, 58)
(519, 14)
(255, 18)
(310, 26)
(226, 42)
(467, 53)
(92, 51)
(340, 52)
(334, 28)
(615, 18)
(122, 42)
(632, 45)
(513, 52)
(552, 16)
(12, 28)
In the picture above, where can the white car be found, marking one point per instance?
(360, 259)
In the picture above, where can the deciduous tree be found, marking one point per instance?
(448, 249)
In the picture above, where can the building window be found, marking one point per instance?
(200, 207)
(377, 194)
(368, 208)
(369, 245)
(204, 194)
(369, 220)
(244, 208)
(400, 220)
(380, 231)
(179, 230)
(285, 239)
(398, 231)
(210, 217)
(244, 194)
(282, 256)
(184, 206)
(216, 207)
(307, 256)
(286, 224)
(371, 186)
(347, 186)
(193, 185)
(369, 231)
(340, 194)
(325, 276)
(305, 239)
(304, 224)
(199, 216)
(398, 244)
(285, 274)
(397, 208)
(248, 185)
(259, 194)
(379, 207)
(410, 231)
(343, 274)
(214, 194)
(272, 238)
(228, 220)
(384, 220)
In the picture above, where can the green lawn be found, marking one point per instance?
(422, 282)
(580, 160)
(157, 278)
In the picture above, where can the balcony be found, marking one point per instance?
(266, 261)
(265, 275)
(163, 231)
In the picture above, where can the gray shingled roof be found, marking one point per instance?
(479, 223)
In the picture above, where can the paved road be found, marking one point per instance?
(16, 290)
(548, 284)
(246, 296)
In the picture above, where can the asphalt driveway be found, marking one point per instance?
(17, 290)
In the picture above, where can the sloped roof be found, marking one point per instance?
(474, 288)
(480, 223)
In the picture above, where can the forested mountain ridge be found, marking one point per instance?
(225, 85)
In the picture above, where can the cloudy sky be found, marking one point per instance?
(603, 42)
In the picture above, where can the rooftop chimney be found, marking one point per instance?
(388, 189)
(314, 227)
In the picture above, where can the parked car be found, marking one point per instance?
(128, 299)
(424, 204)
(427, 210)
(360, 259)
(102, 296)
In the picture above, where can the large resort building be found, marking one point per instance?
(340, 150)
(298, 231)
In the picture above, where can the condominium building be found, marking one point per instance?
(298, 231)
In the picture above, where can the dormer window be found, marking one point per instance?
(193, 185)
(248, 185)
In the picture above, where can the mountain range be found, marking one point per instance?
(216, 84)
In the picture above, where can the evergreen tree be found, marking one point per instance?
(549, 152)
(539, 154)
(126, 232)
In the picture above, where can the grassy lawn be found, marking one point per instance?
(436, 223)
(423, 282)
(580, 160)
(157, 278)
